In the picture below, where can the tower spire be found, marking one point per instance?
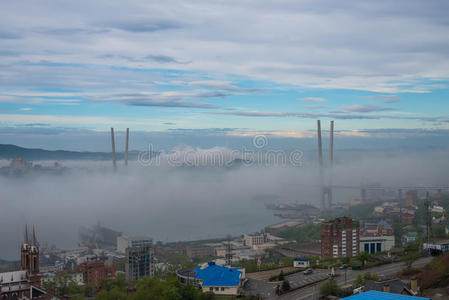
(34, 237)
(26, 235)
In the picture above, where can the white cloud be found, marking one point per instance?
(313, 99)
(321, 44)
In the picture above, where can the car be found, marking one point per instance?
(344, 266)
(308, 272)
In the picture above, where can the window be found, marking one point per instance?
(211, 289)
(216, 289)
(222, 289)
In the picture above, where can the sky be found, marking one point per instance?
(70, 70)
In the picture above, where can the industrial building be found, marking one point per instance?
(210, 277)
(340, 237)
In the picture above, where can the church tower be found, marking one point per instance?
(30, 257)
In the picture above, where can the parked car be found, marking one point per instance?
(308, 272)
(342, 267)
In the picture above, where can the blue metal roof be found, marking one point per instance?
(376, 295)
(214, 275)
(301, 259)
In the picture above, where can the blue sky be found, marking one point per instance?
(249, 67)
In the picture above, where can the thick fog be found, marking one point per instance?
(189, 198)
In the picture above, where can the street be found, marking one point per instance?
(267, 289)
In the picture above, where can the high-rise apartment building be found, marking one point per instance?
(340, 238)
(139, 260)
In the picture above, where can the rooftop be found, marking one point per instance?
(375, 295)
(215, 275)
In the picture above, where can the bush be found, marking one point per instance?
(330, 287)
(285, 286)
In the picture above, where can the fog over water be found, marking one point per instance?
(171, 203)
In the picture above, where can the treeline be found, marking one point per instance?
(147, 288)
(305, 233)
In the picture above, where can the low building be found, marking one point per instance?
(373, 295)
(301, 263)
(395, 286)
(199, 251)
(409, 238)
(96, 271)
(437, 209)
(256, 239)
(374, 244)
(437, 247)
(210, 277)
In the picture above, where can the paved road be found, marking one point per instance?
(312, 292)
(267, 289)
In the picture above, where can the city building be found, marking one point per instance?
(251, 240)
(95, 271)
(301, 263)
(437, 247)
(139, 262)
(376, 237)
(24, 283)
(124, 242)
(262, 241)
(210, 277)
(373, 244)
(199, 251)
(374, 295)
(409, 238)
(411, 197)
(340, 237)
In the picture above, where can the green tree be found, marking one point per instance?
(281, 276)
(285, 286)
(361, 279)
(363, 257)
(330, 287)
(410, 258)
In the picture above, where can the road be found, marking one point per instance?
(267, 289)
(312, 292)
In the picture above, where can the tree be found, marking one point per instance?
(363, 257)
(410, 258)
(361, 279)
(285, 286)
(281, 276)
(330, 287)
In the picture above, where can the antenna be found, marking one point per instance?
(126, 147)
(114, 163)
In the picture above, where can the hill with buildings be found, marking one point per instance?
(8, 151)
